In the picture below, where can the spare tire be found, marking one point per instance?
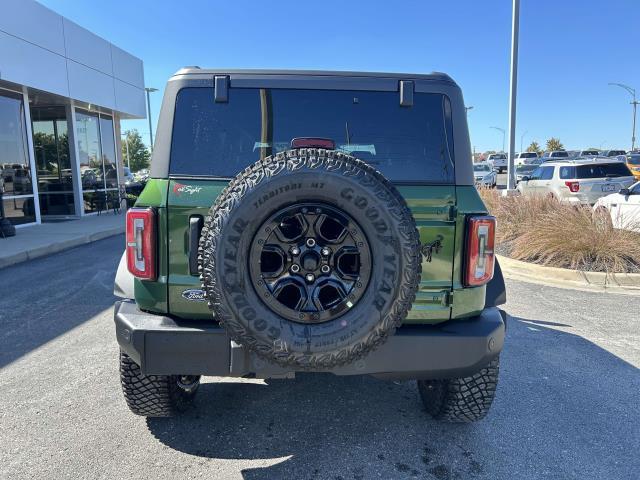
(310, 258)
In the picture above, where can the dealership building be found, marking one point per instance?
(63, 92)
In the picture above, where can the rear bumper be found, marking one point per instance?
(164, 346)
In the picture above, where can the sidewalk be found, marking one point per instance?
(41, 240)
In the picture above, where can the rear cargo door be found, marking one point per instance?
(411, 145)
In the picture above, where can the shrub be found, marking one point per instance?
(542, 230)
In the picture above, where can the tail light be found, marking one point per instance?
(141, 242)
(481, 232)
(573, 186)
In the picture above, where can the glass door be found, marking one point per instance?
(53, 162)
(15, 170)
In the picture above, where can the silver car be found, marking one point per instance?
(580, 181)
(484, 175)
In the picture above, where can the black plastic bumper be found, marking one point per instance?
(164, 346)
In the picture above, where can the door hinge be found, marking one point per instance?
(453, 212)
(447, 299)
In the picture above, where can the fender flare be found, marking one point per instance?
(496, 292)
(123, 285)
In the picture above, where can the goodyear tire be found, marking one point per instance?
(155, 395)
(310, 258)
(461, 400)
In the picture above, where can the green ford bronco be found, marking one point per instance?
(302, 221)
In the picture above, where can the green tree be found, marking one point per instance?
(534, 147)
(140, 157)
(554, 144)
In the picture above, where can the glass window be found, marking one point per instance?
(536, 174)
(567, 172)
(52, 160)
(220, 139)
(15, 168)
(14, 161)
(547, 173)
(19, 210)
(633, 159)
(481, 168)
(108, 152)
(97, 151)
(603, 170)
(525, 169)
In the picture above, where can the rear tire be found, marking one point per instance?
(461, 400)
(154, 395)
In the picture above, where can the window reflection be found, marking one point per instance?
(52, 159)
(15, 170)
(97, 153)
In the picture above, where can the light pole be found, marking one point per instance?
(513, 89)
(503, 135)
(634, 102)
(149, 90)
(522, 140)
(126, 136)
(466, 109)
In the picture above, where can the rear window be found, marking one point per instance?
(633, 159)
(411, 144)
(528, 155)
(602, 170)
(559, 154)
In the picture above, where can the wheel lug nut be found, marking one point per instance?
(325, 269)
(325, 251)
(295, 268)
(310, 277)
(295, 251)
(311, 242)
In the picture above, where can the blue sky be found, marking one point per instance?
(569, 51)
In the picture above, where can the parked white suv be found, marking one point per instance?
(526, 158)
(577, 181)
(624, 207)
(498, 161)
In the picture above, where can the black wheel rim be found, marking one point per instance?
(310, 263)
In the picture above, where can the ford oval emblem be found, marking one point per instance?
(194, 295)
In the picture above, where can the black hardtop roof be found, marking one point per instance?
(433, 76)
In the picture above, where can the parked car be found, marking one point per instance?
(581, 181)
(128, 176)
(623, 207)
(524, 170)
(613, 153)
(9, 170)
(525, 158)
(554, 155)
(633, 162)
(21, 181)
(497, 161)
(588, 153)
(310, 259)
(484, 175)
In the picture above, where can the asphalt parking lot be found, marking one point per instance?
(567, 403)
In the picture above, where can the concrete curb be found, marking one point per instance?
(58, 246)
(625, 283)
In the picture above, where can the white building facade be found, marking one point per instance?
(63, 92)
